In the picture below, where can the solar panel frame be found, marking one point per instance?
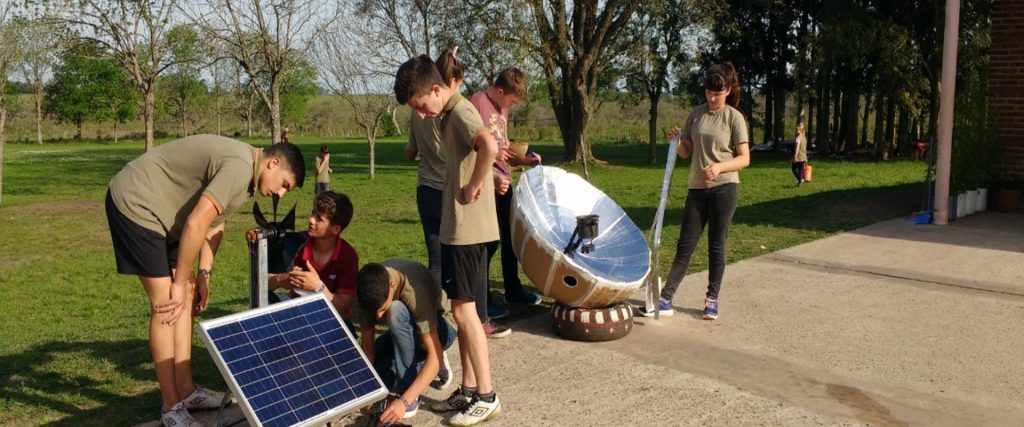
(290, 364)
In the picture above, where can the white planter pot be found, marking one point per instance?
(961, 205)
(972, 201)
(981, 204)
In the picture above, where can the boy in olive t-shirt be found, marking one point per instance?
(469, 226)
(166, 211)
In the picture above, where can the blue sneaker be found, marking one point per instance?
(496, 312)
(664, 308)
(710, 308)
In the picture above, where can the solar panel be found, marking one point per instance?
(292, 364)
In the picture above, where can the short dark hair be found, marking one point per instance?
(291, 159)
(372, 284)
(512, 81)
(335, 206)
(415, 77)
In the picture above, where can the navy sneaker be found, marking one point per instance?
(664, 308)
(524, 297)
(444, 374)
(710, 308)
(496, 312)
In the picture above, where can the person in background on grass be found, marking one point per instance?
(799, 154)
(326, 263)
(405, 294)
(284, 135)
(715, 134)
(469, 227)
(494, 104)
(166, 211)
(323, 171)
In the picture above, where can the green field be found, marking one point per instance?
(75, 351)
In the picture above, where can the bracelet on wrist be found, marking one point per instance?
(322, 287)
(204, 272)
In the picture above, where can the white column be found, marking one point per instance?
(946, 104)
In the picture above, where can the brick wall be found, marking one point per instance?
(1006, 82)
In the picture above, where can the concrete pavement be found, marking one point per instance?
(891, 324)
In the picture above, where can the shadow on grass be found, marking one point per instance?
(39, 378)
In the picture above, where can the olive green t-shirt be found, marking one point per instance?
(464, 223)
(325, 176)
(425, 138)
(419, 292)
(801, 151)
(159, 189)
(715, 135)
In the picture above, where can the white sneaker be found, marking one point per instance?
(477, 412)
(202, 399)
(178, 417)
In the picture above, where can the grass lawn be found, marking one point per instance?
(75, 348)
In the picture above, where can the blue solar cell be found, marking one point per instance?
(292, 364)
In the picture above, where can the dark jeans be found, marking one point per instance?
(321, 187)
(509, 262)
(428, 202)
(399, 353)
(798, 170)
(714, 206)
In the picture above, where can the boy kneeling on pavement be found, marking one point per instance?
(405, 294)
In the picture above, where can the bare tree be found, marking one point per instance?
(402, 29)
(657, 35)
(365, 90)
(134, 32)
(38, 40)
(266, 38)
(7, 58)
(573, 47)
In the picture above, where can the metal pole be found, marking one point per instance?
(258, 277)
(946, 104)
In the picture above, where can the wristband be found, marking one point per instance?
(205, 272)
(322, 287)
(404, 402)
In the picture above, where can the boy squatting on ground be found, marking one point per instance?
(167, 209)
(468, 227)
(326, 262)
(405, 294)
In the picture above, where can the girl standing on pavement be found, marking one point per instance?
(715, 134)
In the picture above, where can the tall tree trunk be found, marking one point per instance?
(890, 126)
(811, 136)
(218, 114)
(573, 114)
(769, 115)
(780, 110)
(115, 131)
(373, 157)
(275, 112)
(864, 120)
(903, 132)
(933, 106)
(78, 136)
(836, 133)
(147, 115)
(878, 146)
(3, 142)
(823, 114)
(38, 95)
(652, 126)
(850, 118)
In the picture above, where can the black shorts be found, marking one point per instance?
(139, 251)
(464, 271)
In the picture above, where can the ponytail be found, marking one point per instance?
(449, 66)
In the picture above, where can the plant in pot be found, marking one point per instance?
(1007, 195)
